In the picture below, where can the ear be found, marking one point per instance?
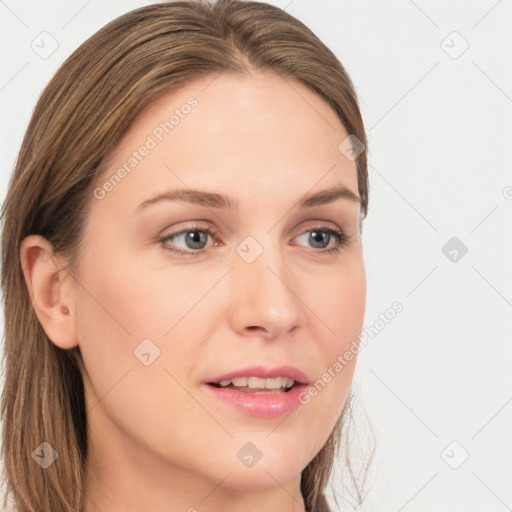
(51, 290)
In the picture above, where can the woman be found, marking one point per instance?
(182, 268)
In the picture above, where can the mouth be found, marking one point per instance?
(257, 385)
(259, 380)
(259, 391)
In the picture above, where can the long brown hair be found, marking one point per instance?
(79, 119)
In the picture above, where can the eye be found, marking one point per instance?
(323, 235)
(194, 238)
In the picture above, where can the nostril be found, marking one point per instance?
(257, 328)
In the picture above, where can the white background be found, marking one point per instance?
(440, 147)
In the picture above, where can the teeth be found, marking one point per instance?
(258, 383)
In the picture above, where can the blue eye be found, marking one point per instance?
(195, 239)
(323, 235)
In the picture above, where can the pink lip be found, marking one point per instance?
(265, 373)
(267, 405)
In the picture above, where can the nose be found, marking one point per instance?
(264, 300)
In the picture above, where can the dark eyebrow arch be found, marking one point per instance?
(328, 196)
(202, 198)
(222, 201)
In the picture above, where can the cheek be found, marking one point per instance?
(338, 302)
(123, 309)
(340, 309)
(136, 298)
(129, 308)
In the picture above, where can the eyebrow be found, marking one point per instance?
(222, 201)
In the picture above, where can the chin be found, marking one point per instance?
(262, 477)
(280, 462)
(253, 462)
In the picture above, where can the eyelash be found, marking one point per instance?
(340, 237)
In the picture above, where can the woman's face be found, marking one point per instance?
(177, 293)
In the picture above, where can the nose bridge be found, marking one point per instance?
(263, 296)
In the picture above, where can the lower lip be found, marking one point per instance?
(267, 405)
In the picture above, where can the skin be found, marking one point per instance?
(157, 441)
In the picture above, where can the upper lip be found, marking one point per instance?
(265, 373)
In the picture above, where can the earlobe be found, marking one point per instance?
(50, 289)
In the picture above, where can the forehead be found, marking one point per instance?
(247, 134)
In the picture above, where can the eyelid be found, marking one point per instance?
(318, 224)
(339, 234)
(191, 226)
